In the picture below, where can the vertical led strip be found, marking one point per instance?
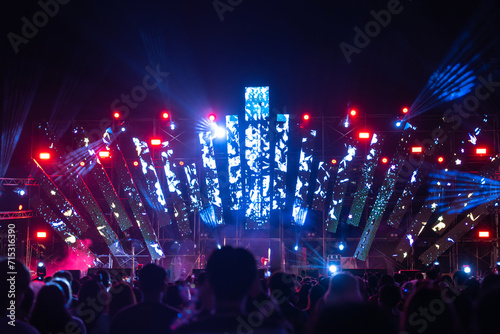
(257, 158)
(299, 209)
(281, 135)
(365, 184)
(414, 229)
(154, 192)
(193, 187)
(76, 221)
(82, 192)
(383, 196)
(406, 198)
(234, 162)
(325, 172)
(173, 182)
(45, 211)
(135, 202)
(211, 178)
(340, 187)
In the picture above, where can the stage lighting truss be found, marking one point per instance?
(299, 209)
(383, 196)
(340, 186)
(281, 135)
(234, 162)
(174, 182)
(153, 190)
(210, 174)
(257, 157)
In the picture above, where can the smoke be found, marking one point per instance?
(75, 259)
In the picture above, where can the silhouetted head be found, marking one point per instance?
(281, 284)
(343, 288)
(231, 272)
(152, 278)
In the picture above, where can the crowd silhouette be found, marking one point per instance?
(230, 297)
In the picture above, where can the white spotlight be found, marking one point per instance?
(296, 247)
(332, 268)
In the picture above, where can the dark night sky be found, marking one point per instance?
(90, 52)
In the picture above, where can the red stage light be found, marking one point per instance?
(165, 115)
(405, 110)
(440, 159)
(155, 142)
(41, 235)
(136, 163)
(104, 154)
(353, 112)
(334, 161)
(116, 114)
(416, 149)
(484, 234)
(481, 150)
(306, 117)
(211, 118)
(181, 163)
(364, 135)
(44, 156)
(82, 163)
(385, 160)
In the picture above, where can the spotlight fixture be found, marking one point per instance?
(481, 151)
(41, 234)
(165, 115)
(136, 163)
(416, 149)
(104, 154)
(116, 115)
(364, 135)
(385, 160)
(82, 163)
(341, 246)
(484, 234)
(211, 118)
(353, 112)
(296, 248)
(44, 156)
(467, 269)
(405, 110)
(306, 117)
(334, 161)
(440, 159)
(155, 142)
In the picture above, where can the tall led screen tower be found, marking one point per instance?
(257, 158)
